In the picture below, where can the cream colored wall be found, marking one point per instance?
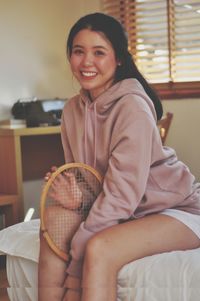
(184, 132)
(32, 48)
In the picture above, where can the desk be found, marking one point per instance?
(25, 154)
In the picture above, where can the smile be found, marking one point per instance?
(88, 74)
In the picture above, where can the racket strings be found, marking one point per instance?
(68, 202)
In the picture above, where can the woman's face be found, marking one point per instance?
(93, 61)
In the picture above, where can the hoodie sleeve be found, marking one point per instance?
(124, 182)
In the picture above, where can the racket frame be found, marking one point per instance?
(51, 244)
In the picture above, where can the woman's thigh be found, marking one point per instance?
(142, 237)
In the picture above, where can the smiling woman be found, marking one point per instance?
(147, 193)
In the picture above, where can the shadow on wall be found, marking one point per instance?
(32, 192)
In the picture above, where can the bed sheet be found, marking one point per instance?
(163, 277)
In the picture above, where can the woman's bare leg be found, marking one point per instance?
(52, 269)
(110, 249)
(51, 274)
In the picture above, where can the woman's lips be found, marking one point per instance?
(88, 74)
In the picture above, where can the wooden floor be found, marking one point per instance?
(3, 280)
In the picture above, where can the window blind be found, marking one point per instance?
(185, 40)
(164, 39)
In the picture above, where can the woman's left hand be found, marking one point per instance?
(73, 286)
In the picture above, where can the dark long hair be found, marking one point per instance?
(116, 35)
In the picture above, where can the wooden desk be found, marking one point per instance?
(25, 154)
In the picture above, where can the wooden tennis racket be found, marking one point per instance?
(66, 200)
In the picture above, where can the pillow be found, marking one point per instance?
(21, 240)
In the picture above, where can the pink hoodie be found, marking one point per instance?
(117, 135)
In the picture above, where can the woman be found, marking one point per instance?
(149, 198)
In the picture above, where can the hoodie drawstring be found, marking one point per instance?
(86, 133)
(95, 135)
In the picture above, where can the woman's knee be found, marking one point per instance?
(98, 249)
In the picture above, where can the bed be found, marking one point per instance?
(173, 276)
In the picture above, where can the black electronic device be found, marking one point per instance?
(44, 112)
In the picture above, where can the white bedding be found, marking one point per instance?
(173, 276)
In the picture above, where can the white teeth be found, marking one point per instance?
(89, 73)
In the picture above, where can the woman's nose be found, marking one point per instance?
(87, 64)
(88, 61)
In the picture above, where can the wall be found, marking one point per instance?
(184, 132)
(32, 48)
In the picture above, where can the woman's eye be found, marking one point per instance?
(99, 53)
(77, 51)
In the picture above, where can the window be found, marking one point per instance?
(164, 39)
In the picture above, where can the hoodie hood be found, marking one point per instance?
(103, 103)
(123, 88)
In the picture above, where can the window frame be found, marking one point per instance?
(178, 90)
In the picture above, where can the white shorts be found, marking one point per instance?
(192, 221)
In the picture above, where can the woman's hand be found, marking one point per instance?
(49, 173)
(73, 286)
(66, 192)
(72, 283)
(64, 189)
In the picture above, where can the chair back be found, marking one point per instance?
(164, 125)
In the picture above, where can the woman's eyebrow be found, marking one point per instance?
(77, 46)
(95, 47)
(100, 47)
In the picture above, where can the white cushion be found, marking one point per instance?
(21, 240)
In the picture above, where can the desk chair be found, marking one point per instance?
(164, 125)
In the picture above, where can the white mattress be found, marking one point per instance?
(173, 276)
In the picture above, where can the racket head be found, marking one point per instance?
(65, 202)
